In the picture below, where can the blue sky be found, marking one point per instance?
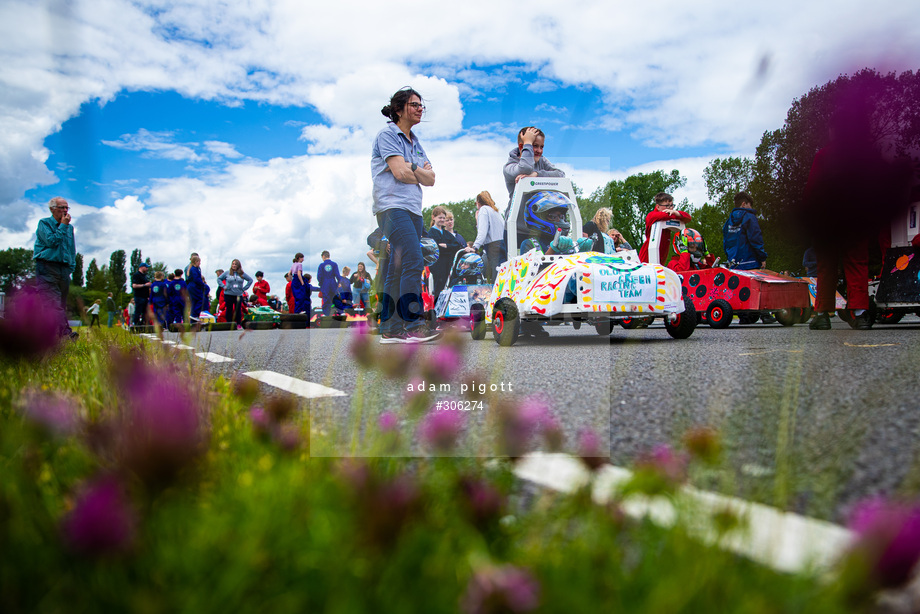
(243, 130)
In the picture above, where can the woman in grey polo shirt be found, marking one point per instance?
(400, 167)
(236, 282)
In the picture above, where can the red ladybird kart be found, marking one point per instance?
(720, 293)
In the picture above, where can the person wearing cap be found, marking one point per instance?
(55, 257)
(141, 286)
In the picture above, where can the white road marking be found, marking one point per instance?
(784, 541)
(212, 357)
(299, 387)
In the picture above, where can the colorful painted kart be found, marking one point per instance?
(720, 293)
(898, 290)
(462, 295)
(586, 287)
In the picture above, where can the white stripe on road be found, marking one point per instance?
(784, 541)
(299, 387)
(212, 357)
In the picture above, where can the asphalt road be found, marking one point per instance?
(811, 420)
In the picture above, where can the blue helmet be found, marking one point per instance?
(536, 214)
(470, 264)
(430, 251)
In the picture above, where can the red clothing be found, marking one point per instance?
(289, 297)
(261, 290)
(660, 216)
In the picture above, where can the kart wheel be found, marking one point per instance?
(684, 324)
(719, 314)
(506, 323)
(576, 324)
(748, 318)
(788, 317)
(888, 316)
(806, 315)
(604, 327)
(477, 323)
(629, 323)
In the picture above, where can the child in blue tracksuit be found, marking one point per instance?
(327, 276)
(195, 284)
(344, 300)
(177, 293)
(309, 289)
(158, 298)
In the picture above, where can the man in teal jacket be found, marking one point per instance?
(55, 256)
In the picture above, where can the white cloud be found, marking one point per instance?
(156, 145)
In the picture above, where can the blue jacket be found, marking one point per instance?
(743, 240)
(54, 243)
(327, 276)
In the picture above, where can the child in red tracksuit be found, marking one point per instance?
(664, 210)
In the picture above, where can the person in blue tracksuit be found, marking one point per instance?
(158, 298)
(178, 295)
(741, 235)
(327, 276)
(195, 284)
(299, 286)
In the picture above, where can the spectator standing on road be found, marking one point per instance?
(361, 284)
(195, 284)
(741, 235)
(141, 286)
(236, 283)
(664, 210)
(261, 289)
(400, 167)
(449, 227)
(490, 232)
(159, 299)
(596, 229)
(300, 303)
(289, 293)
(111, 309)
(129, 312)
(327, 276)
(448, 246)
(178, 297)
(55, 257)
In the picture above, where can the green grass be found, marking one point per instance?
(252, 527)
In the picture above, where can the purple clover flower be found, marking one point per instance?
(53, 413)
(32, 325)
(591, 450)
(496, 590)
(362, 346)
(102, 522)
(388, 422)
(161, 431)
(439, 430)
(888, 536)
(441, 365)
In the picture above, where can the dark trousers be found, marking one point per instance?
(54, 279)
(494, 252)
(403, 285)
(140, 311)
(234, 308)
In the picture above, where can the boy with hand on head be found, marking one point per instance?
(664, 210)
(741, 235)
(527, 160)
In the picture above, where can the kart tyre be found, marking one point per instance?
(748, 318)
(888, 316)
(506, 322)
(789, 316)
(258, 325)
(294, 320)
(604, 327)
(806, 315)
(629, 323)
(477, 323)
(685, 323)
(719, 314)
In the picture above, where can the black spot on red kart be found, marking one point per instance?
(733, 282)
(694, 279)
(744, 294)
(683, 291)
(719, 279)
(701, 291)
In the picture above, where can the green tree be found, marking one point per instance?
(92, 271)
(117, 277)
(136, 259)
(631, 199)
(16, 266)
(784, 157)
(100, 281)
(76, 278)
(158, 266)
